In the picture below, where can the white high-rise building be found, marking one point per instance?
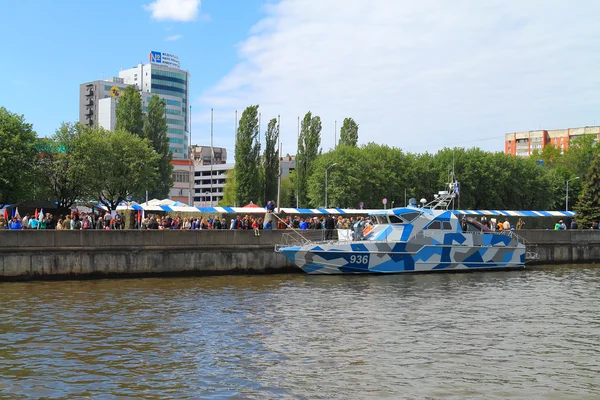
(161, 76)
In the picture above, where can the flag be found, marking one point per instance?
(41, 216)
(36, 213)
(6, 214)
(17, 212)
(139, 217)
(456, 190)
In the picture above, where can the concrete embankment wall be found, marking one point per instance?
(80, 254)
(564, 247)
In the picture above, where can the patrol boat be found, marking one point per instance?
(411, 239)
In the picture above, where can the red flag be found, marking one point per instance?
(139, 216)
(6, 214)
(36, 213)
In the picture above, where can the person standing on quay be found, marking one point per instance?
(329, 227)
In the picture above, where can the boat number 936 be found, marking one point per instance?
(359, 259)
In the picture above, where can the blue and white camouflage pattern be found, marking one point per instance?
(413, 245)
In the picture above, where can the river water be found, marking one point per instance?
(531, 334)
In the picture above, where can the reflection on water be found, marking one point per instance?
(520, 334)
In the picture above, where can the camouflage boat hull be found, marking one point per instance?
(445, 252)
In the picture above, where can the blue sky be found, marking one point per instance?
(50, 49)
(416, 75)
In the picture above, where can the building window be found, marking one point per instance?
(175, 131)
(174, 121)
(181, 177)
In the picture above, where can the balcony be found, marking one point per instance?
(89, 92)
(89, 102)
(89, 111)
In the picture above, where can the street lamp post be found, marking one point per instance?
(567, 195)
(326, 171)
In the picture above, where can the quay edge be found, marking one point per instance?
(40, 255)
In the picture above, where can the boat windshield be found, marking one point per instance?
(396, 219)
(381, 219)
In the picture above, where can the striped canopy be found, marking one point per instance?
(327, 211)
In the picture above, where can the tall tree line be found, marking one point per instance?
(247, 159)
(76, 163)
(309, 142)
(255, 176)
(151, 125)
(271, 161)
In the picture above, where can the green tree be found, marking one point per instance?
(228, 190)
(17, 157)
(487, 180)
(588, 206)
(309, 142)
(117, 165)
(58, 165)
(247, 158)
(364, 174)
(550, 156)
(576, 161)
(286, 197)
(129, 111)
(349, 133)
(271, 161)
(347, 181)
(155, 130)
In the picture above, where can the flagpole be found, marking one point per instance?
(191, 164)
(211, 156)
(335, 135)
(278, 162)
(296, 166)
(234, 150)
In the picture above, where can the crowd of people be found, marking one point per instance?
(560, 225)
(108, 221)
(494, 224)
(115, 221)
(359, 226)
(73, 221)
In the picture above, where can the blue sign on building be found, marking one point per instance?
(156, 57)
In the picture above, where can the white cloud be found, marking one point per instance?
(172, 38)
(174, 10)
(419, 75)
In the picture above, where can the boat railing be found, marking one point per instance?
(300, 237)
(530, 253)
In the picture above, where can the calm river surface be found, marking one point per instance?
(531, 334)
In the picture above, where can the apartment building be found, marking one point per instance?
(523, 144)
